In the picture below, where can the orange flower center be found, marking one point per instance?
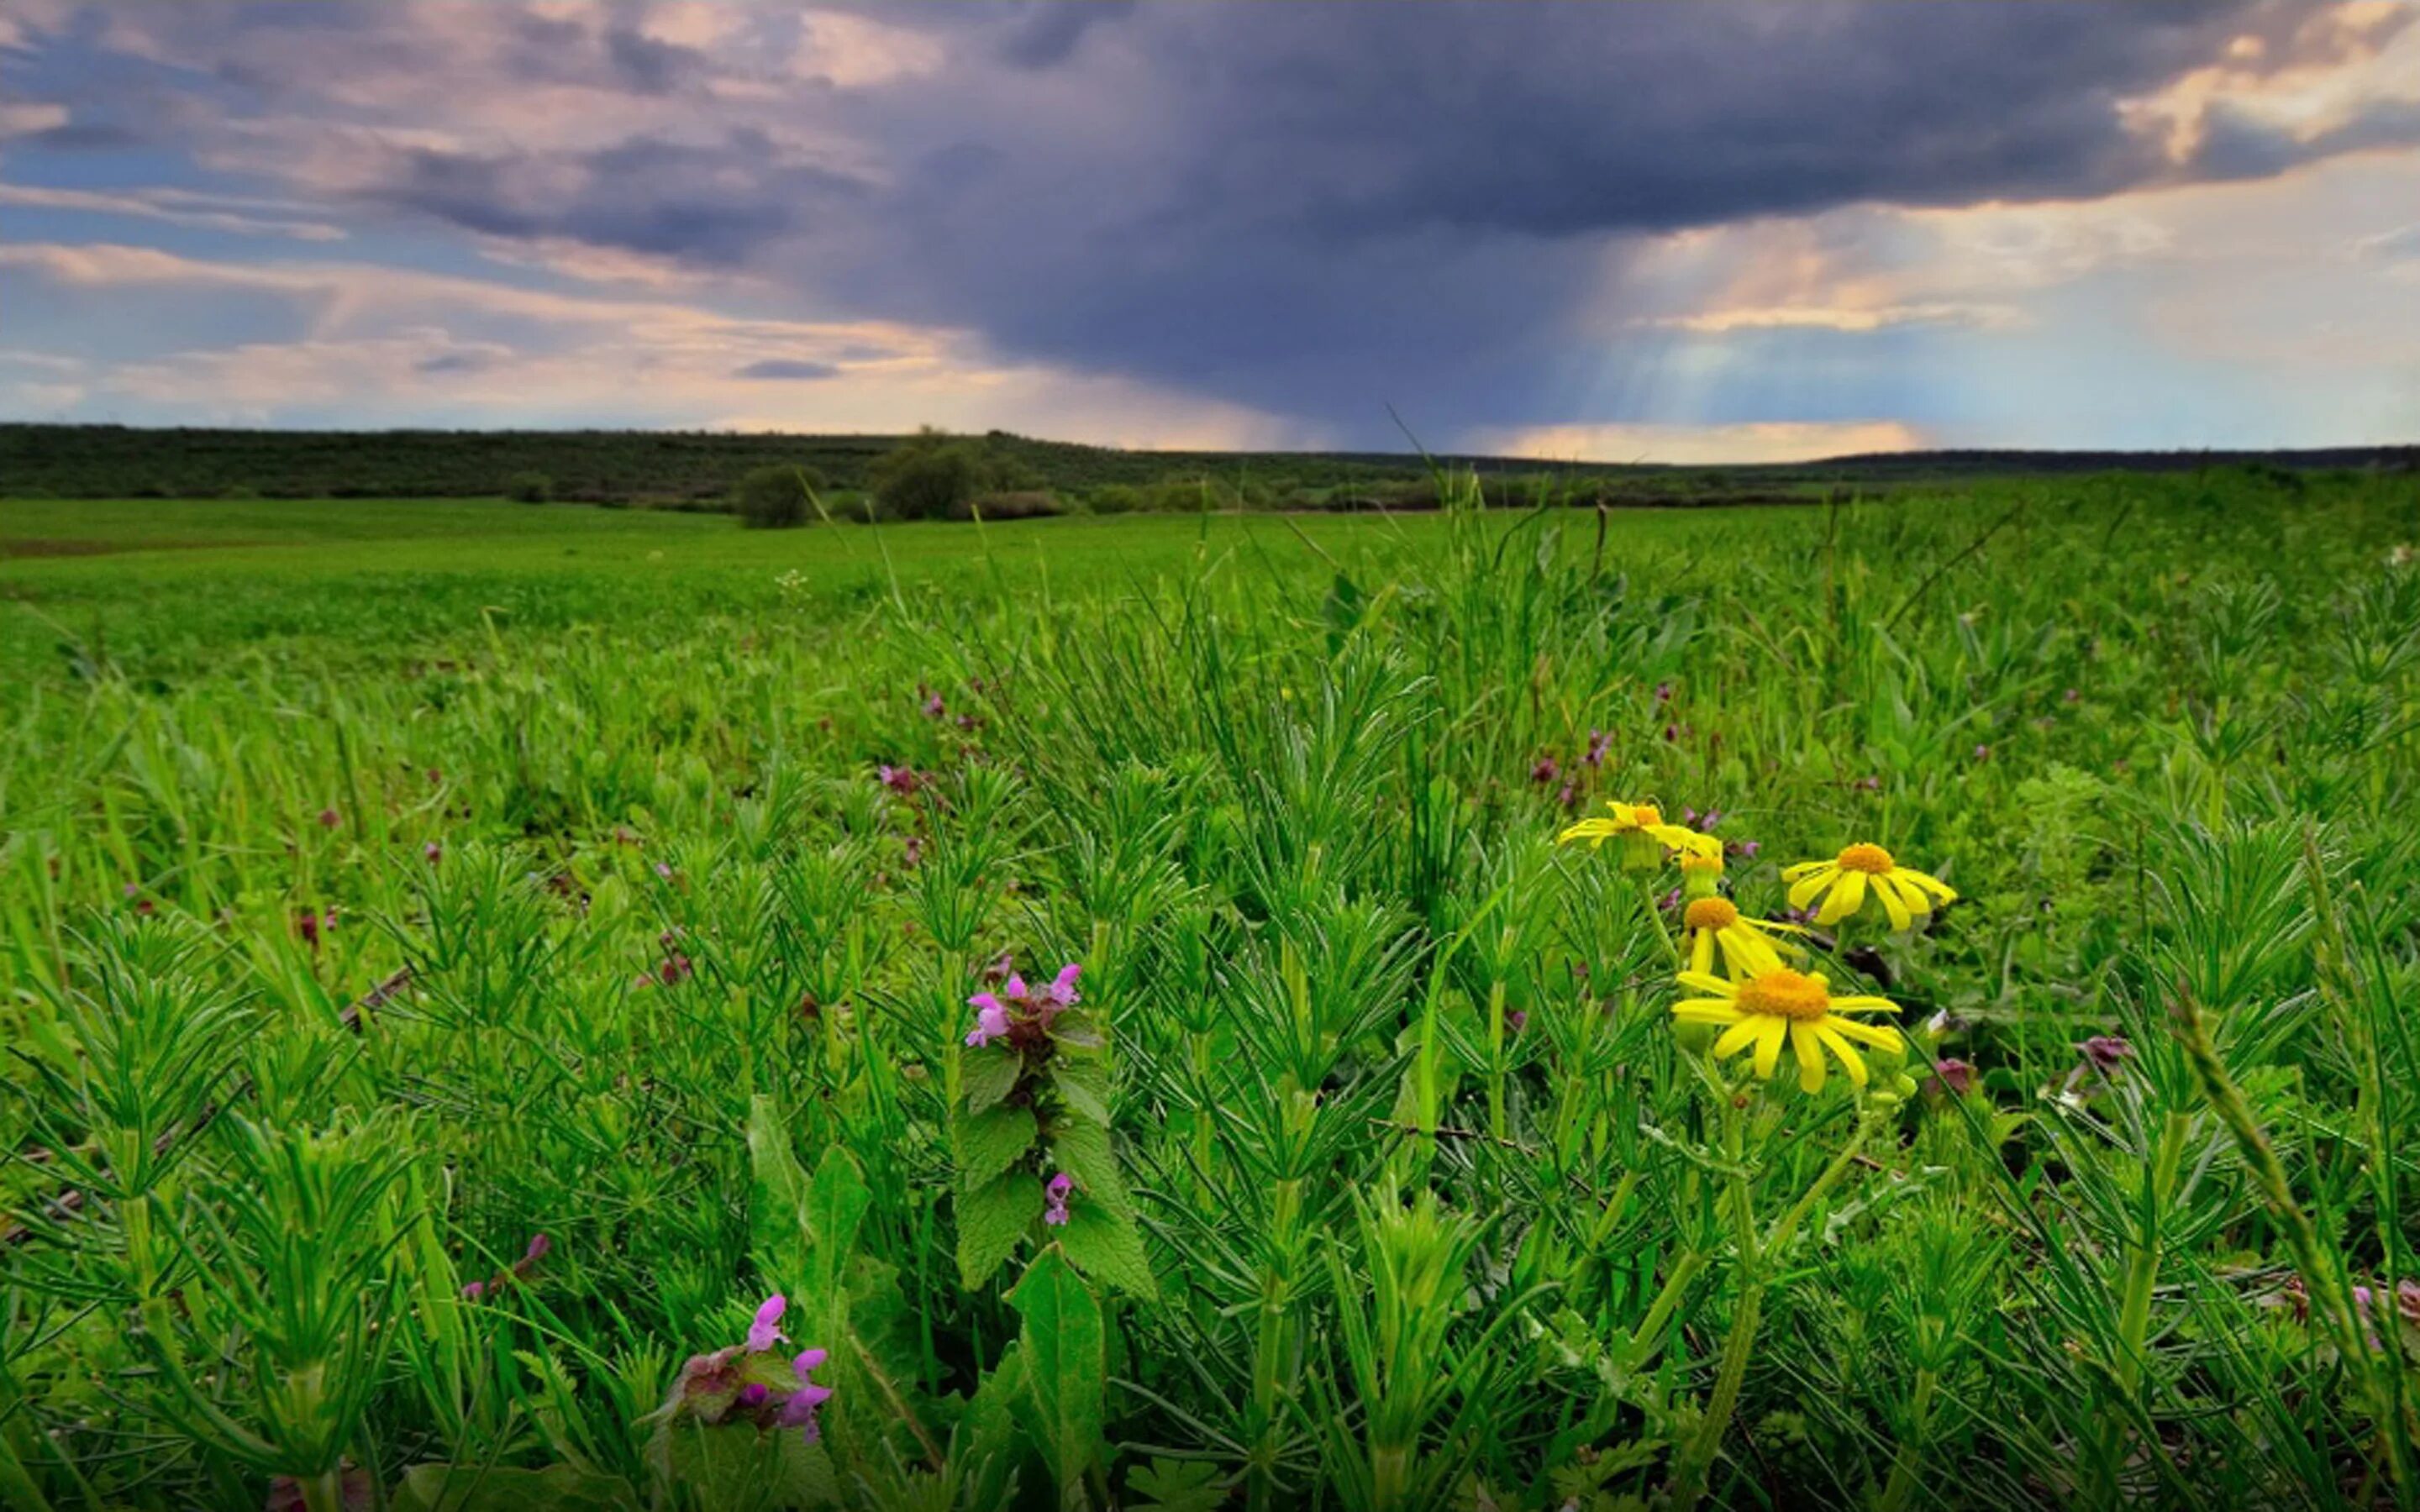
(1645, 814)
(1710, 913)
(1871, 860)
(1698, 861)
(1785, 994)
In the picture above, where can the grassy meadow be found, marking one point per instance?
(1119, 983)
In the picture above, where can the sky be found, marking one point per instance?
(1726, 231)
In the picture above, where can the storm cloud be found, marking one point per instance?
(1309, 211)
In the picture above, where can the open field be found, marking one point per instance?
(463, 957)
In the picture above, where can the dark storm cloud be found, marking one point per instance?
(1305, 209)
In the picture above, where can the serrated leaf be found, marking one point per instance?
(477, 1488)
(1065, 1367)
(739, 1468)
(1106, 1243)
(988, 1074)
(1082, 1150)
(1077, 1030)
(1085, 1085)
(991, 1142)
(1174, 1485)
(991, 1220)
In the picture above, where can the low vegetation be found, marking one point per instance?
(1174, 1013)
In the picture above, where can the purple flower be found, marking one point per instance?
(1982, 753)
(664, 870)
(330, 819)
(800, 1411)
(765, 1331)
(476, 1290)
(1054, 1199)
(2072, 696)
(2107, 1052)
(753, 1395)
(1744, 849)
(1517, 1019)
(432, 853)
(1599, 743)
(933, 706)
(1546, 771)
(1061, 991)
(1955, 1075)
(1663, 693)
(991, 1019)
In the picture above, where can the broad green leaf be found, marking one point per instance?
(472, 1488)
(836, 1204)
(740, 1468)
(988, 1074)
(1174, 1485)
(1085, 1085)
(779, 1236)
(1082, 1150)
(991, 1220)
(1105, 1243)
(1065, 1367)
(991, 1142)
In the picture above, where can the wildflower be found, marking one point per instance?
(1844, 881)
(991, 1020)
(1546, 771)
(1744, 849)
(1054, 1199)
(432, 853)
(1569, 798)
(800, 1411)
(765, 1331)
(2072, 696)
(2107, 1052)
(1019, 1008)
(931, 701)
(904, 780)
(308, 922)
(1982, 753)
(1517, 1019)
(1701, 873)
(1645, 834)
(330, 819)
(664, 870)
(1663, 693)
(1715, 924)
(1599, 743)
(1778, 1004)
(1955, 1076)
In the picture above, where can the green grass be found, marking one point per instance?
(385, 884)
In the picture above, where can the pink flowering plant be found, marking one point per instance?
(1033, 1135)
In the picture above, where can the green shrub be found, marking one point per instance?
(932, 476)
(238, 491)
(1011, 503)
(530, 488)
(776, 498)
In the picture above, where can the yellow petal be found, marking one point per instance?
(1769, 1031)
(1917, 901)
(1880, 1037)
(1701, 952)
(1808, 887)
(1737, 1038)
(1930, 884)
(1810, 1056)
(1852, 1062)
(1706, 983)
(1846, 899)
(1706, 1010)
(1799, 869)
(1893, 903)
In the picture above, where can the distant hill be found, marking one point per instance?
(698, 469)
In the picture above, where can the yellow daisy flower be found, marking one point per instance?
(1646, 836)
(1715, 925)
(1844, 882)
(1777, 1004)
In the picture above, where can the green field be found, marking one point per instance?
(385, 884)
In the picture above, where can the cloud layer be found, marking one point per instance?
(1529, 225)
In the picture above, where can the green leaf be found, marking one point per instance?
(1077, 1030)
(991, 1142)
(988, 1074)
(1082, 1150)
(1065, 1367)
(779, 1237)
(1174, 1485)
(1085, 1085)
(471, 1488)
(740, 1468)
(836, 1206)
(1105, 1243)
(990, 1221)
(983, 1445)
